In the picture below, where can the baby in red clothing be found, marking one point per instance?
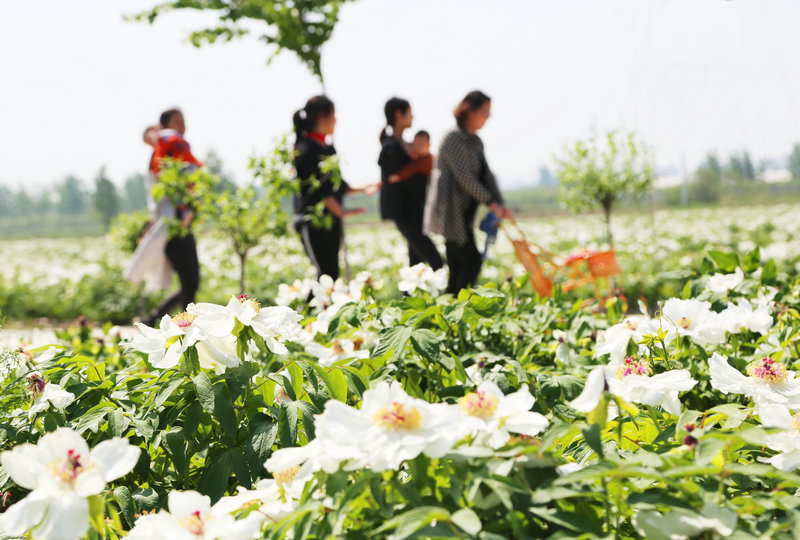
(423, 159)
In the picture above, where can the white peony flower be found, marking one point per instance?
(787, 442)
(694, 319)
(298, 291)
(767, 381)
(275, 324)
(45, 393)
(492, 416)
(745, 316)
(210, 335)
(722, 283)
(191, 517)
(631, 381)
(62, 473)
(422, 277)
(390, 427)
(614, 341)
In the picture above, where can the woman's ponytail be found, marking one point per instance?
(305, 119)
(390, 110)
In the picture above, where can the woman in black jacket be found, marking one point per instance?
(313, 124)
(404, 202)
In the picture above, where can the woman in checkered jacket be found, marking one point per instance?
(464, 182)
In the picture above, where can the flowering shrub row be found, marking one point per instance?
(490, 415)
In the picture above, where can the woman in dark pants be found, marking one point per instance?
(404, 202)
(313, 124)
(465, 181)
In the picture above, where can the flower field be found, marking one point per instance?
(371, 414)
(64, 279)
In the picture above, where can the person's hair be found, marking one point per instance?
(390, 110)
(471, 102)
(305, 119)
(423, 133)
(167, 115)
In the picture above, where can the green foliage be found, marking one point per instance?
(105, 198)
(706, 186)
(127, 229)
(301, 26)
(246, 215)
(592, 175)
(794, 161)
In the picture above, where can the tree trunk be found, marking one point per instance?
(242, 259)
(607, 212)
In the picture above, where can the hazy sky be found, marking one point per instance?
(78, 84)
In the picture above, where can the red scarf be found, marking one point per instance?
(317, 136)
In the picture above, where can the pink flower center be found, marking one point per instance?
(193, 523)
(632, 366)
(767, 370)
(69, 469)
(397, 416)
(480, 404)
(184, 320)
(35, 385)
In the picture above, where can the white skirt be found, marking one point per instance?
(149, 264)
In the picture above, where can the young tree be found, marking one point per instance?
(591, 175)
(794, 161)
(105, 198)
(300, 26)
(71, 196)
(707, 184)
(247, 214)
(135, 193)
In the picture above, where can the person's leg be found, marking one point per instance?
(322, 247)
(456, 266)
(175, 251)
(190, 281)
(472, 263)
(420, 247)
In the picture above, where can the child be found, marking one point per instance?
(423, 160)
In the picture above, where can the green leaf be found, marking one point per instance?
(205, 392)
(125, 501)
(337, 384)
(296, 374)
(426, 343)
(263, 432)
(118, 423)
(240, 467)
(223, 409)
(727, 262)
(176, 444)
(413, 520)
(145, 499)
(216, 473)
(392, 340)
(468, 520)
(769, 273)
(593, 437)
(166, 391)
(287, 424)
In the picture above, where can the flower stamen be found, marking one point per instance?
(632, 366)
(184, 320)
(480, 404)
(684, 322)
(193, 523)
(397, 416)
(68, 469)
(768, 370)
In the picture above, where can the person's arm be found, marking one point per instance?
(423, 165)
(335, 208)
(455, 156)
